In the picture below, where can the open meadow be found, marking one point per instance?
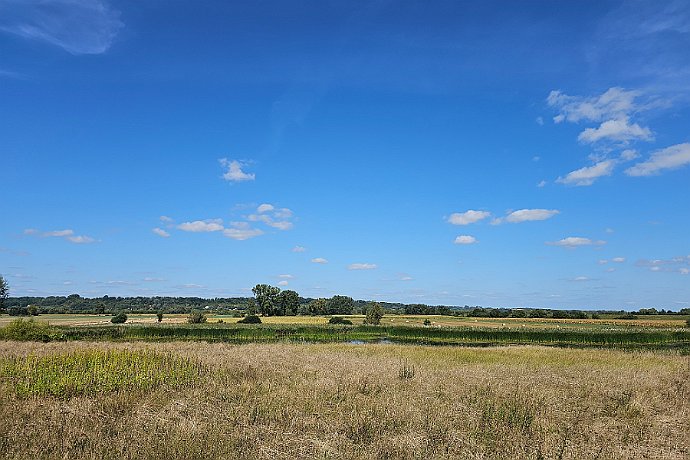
(216, 400)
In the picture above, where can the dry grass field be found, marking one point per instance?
(342, 401)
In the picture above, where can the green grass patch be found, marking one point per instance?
(93, 371)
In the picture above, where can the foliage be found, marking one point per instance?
(266, 298)
(19, 329)
(687, 322)
(4, 292)
(120, 318)
(159, 316)
(374, 314)
(95, 371)
(427, 322)
(250, 319)
(196, 317)
(287, 303)
(32, 310)
(339, 305)
(339, 320)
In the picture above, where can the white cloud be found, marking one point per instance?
(673, 157)
(465, 239)
(684, 271)
(81, 239)
(241, 231)
(319, 260)
(161, 232)
(541, 184)
(58, 233)
(619, 130)
(540, 121)
(165, 219)
(149, 279)
(234, 171)
(526, 215)
(67, 234)
(615, 103)
(618, 260)
(286, 277)
(208, 225)
(629, 155)
(674, 265)
(361, 266)
(299, 249)
(467, 217)
(603, 261)
(77, 26)
(575, 241)
(283, 283)
(581, 278)
(588, 174)
(264, 208)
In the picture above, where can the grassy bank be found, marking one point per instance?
(632, 338)
(282, 400)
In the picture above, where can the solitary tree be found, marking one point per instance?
(266, 298)
(374, 314)
(120, 318)
(4, 292)
(159, 315)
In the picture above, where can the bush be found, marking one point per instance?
(196, 317)
(374, 314)
(687, 322)
(159, 315)
(339, 320)
(30, 330)
(427, 322)
(120, 318)
(250, 319)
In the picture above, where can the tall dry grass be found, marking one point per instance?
(347, 401)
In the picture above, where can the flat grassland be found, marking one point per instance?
(196, 400)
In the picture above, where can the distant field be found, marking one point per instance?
(658, 321)
(196, 400)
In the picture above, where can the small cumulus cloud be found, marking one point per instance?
(541, 184)
(680, 264)
(160, 232)
(527, 215)
(581, 278)
(620, 130)
(468, 217)
(465, 239)
(589, 174)
(199, 226)
(81, 239)
(361, 266)
(234, 172)
(272, 216)
(319, 260)
(286, 276)
(241, 231)
(299, 249)
(575, 241)
(618, 260)
(283, 283)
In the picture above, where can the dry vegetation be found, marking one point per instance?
(362, 401)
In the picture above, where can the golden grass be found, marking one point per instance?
(350, 402)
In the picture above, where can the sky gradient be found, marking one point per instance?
(490, 153)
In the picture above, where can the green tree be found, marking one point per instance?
(32, 310)
(339, 305)
(266, 298)
(4, 292)
(288, 303)
(120, 318)
(196, 317)
(159, 315)
(374, 314)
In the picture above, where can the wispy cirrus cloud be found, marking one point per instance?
(680, 264)
(361, 266)
(319, 260)
(234, 172)
(67, 234)
(575, 241)
(76, 26)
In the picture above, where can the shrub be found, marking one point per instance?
(339, 320)
(120, 318)
(159, 315)
(196, 317)
(427, 322)
(687, 322)
(250, 319)
(30, 330)
(374, 314)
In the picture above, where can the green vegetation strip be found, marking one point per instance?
(91, 372)
(231, 333)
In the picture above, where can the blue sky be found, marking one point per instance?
(483, 153)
